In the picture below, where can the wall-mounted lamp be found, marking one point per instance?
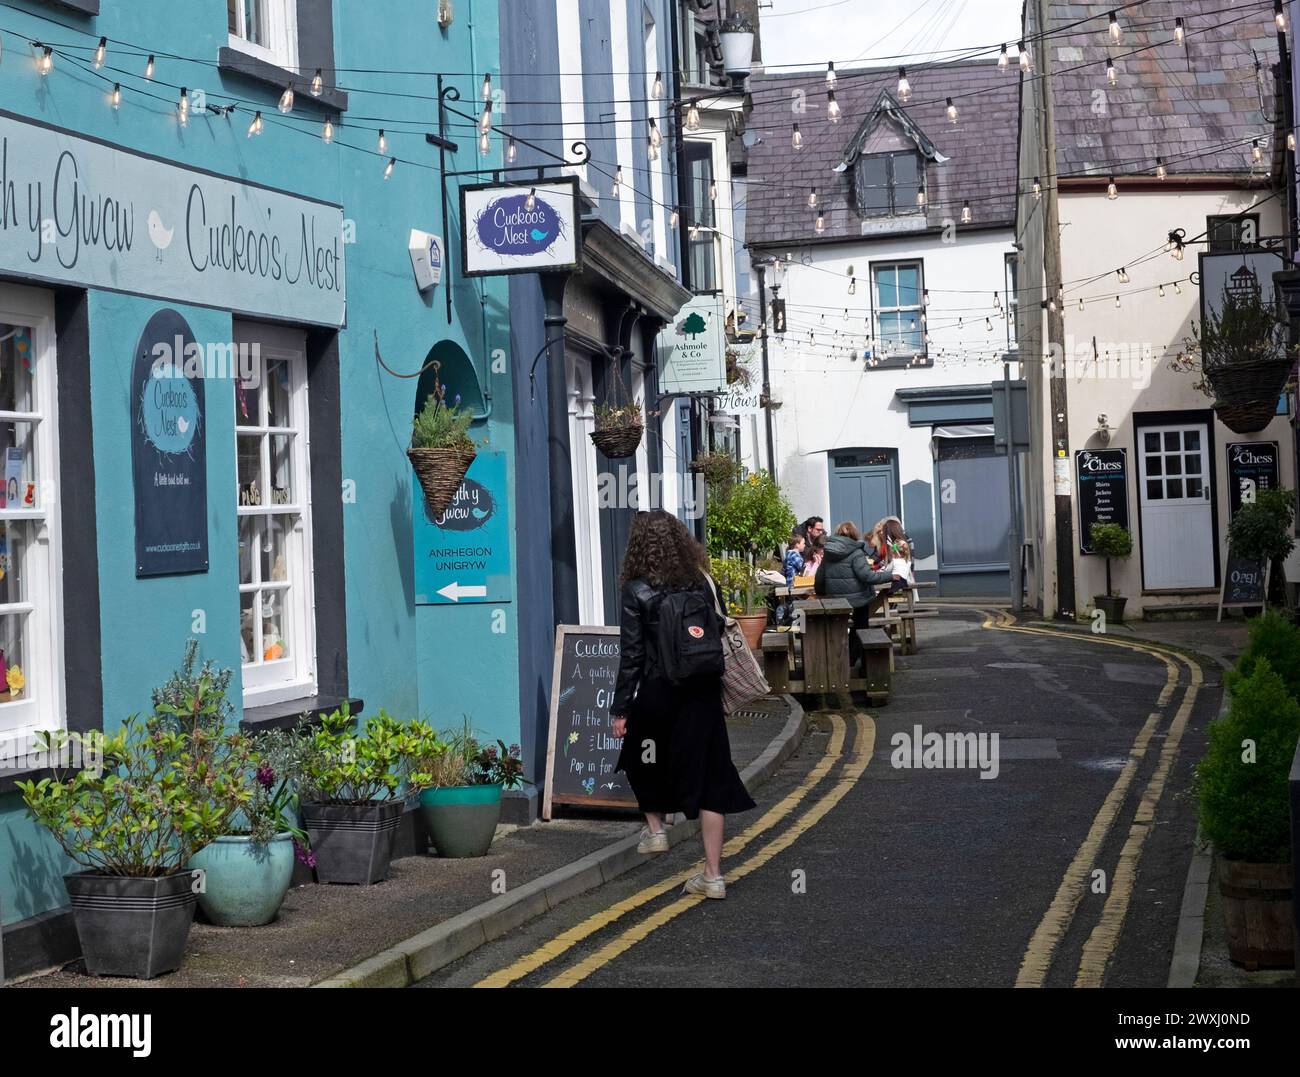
(1103, 429)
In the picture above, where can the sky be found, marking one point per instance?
(814, 31)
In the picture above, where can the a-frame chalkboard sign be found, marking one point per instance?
(1245, 582)
(582, 751)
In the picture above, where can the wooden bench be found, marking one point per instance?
(778, 659)
(877, 664)
(815, 661)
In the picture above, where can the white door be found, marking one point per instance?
(1177, 525)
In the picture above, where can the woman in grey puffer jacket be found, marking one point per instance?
(845, 572)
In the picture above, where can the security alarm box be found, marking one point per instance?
(426, 258)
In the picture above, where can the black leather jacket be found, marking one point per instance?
(638, 642)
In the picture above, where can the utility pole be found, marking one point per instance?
(763, 319)
(1065, 598)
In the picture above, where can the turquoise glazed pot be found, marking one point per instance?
(245, 881)
(461, 819)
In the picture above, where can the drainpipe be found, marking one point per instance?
(761, 269)
(564, 546)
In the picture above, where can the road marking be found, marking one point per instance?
(566, 940)
(864, 745)
(1104, 937)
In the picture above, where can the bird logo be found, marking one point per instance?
(159, 235)
(537, 234)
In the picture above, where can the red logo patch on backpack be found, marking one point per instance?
(696, 631)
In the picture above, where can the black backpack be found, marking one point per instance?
(690, 635)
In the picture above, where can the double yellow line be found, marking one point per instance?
(1101, 942)
(863, 746)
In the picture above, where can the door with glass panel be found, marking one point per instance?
(1174, 499)
(276, 624)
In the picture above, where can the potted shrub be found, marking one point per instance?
(1111, 540)
(1261, 530)
(618, 429)
(348, 789)
(460, 786)
(441, 449)
(743, 598)
(1242, 787)
(161, 794)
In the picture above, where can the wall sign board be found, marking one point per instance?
(463, 556)
(1252, 467)
(693, 349)
(1102, 477)
(501, 233)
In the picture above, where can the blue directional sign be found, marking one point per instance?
(463, 555)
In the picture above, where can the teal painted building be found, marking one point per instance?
(284, 535)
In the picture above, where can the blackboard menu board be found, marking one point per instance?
(1245, 582)
(1102, 482)
(582, 751)
(1252, 467)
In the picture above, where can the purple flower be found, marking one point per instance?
(304, 854)
(515, 751)
(490, 753)
(456, 401)
(265, 777)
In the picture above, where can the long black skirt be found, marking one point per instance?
(676, 754)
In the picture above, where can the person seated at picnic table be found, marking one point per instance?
(792, 566)
(846, 573)
(893, 553)
(814, 531)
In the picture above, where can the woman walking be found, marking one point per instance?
(675, 749)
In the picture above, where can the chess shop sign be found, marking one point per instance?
(78, 211)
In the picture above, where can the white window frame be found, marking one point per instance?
(281, 33)
(918, 307)
(293, 677)
(43, 706)
(585, 478)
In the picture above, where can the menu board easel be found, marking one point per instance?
(1245, 582)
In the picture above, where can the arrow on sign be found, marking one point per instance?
(456, 591)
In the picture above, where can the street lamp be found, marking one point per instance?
(737, 34)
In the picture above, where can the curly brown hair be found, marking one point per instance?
(661, 551)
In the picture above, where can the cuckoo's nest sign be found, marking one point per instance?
(519, 227)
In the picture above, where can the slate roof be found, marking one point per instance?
(1182, 104)
(981, 146)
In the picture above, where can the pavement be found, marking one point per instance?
(341, 935)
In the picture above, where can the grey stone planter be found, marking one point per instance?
(131, 927)
(353, 843)
(1112, 606)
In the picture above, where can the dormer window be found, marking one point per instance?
(886, 184)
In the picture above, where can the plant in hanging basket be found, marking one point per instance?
(441, 449)
(618, 429)
(1242, 347)
(738, 370)
(1249, 417)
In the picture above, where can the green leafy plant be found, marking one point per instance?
(1111, 540)
(1261, 530)
(273, 808)
(738, 583)
(721, 472)
(1243, 791)
(1245, 329)
(195, 695)
(162, 794)
(1275, 640)
(332, 764)
(455, 757)
(738, 369)
(611, 416)
(755, 518)
(440, 425)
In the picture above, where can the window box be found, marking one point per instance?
(237, 62)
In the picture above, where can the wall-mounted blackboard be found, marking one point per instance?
(1245, 582)
(582, 750)
(1252, 467)
(1102, 485)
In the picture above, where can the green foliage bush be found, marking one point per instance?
(1261, 530)
(1111, 540)
(1244, 804)
(1277, 640)
(738, 584)
(440, 425)
(333, 765)
(754, 518)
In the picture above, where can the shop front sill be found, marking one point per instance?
(81, 7)
(233, 62)
(288, 714)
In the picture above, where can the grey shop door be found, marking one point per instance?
(974, 517)
(863, 487)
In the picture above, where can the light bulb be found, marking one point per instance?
(925, 297)
(1117, 303)
(1122, 273)
(1003, 59)
(657, 88)
(530, 203)
(148, 67)
(618, 182)
(846, 314)
(920, 198)
(1112, 192)
(101, 50)
(988, 325)
(255, 128)
(952, 111)
(1111, 76)
(327, 131)
(511, 151)
(1179, 35)
(388, 168)
(812, 198)
(1290, 140)
(1114, 27)
(820, 226)
(853, 286)
(46, 63)
(965, 213)
(484, 143)
(694, 230)
(904, 87)
(383, 141)
(832, 107)
(1178, 252)
(673, 218)
(487, 87)
(1162, 291)
(115, 98)
(1081, 302)
(997, 302)
(1256, 151)
(485, 120)
(796, 139)
(1177, 289)
(1038, 187)
(830, 75)
(656, 139)
(183, 107)
(651, 151)
(317, 83)
(713, 191)
(692, 119)
(1051, 305)
(1278, 17)
(286, 100)
(1160, 168)
(1026, 61)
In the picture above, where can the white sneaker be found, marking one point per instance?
(699, 883)
(651, 842)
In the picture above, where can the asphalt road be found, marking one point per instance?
(1066, 868)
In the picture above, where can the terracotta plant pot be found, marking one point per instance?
(752, 625)
(1257, 902)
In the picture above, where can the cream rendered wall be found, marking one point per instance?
(830, 402)
(1099, 235)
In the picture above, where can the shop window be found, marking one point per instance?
(31, 646)
(1231, 233)
(897, 295)
(267, 29)
(276, 627)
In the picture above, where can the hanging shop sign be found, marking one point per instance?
(582, 750)
(1252, 468)
(693, 349)
(738, 399)
(1236, 273)
(1102, 476)
(84, 212)
(169, 449)
(462, 556)
(519, 227)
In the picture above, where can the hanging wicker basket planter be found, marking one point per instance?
(619, 442)
(1247, 383)
(619, 423)
(440, 473)
(1249, 417)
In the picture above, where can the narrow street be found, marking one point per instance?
(854, 872)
